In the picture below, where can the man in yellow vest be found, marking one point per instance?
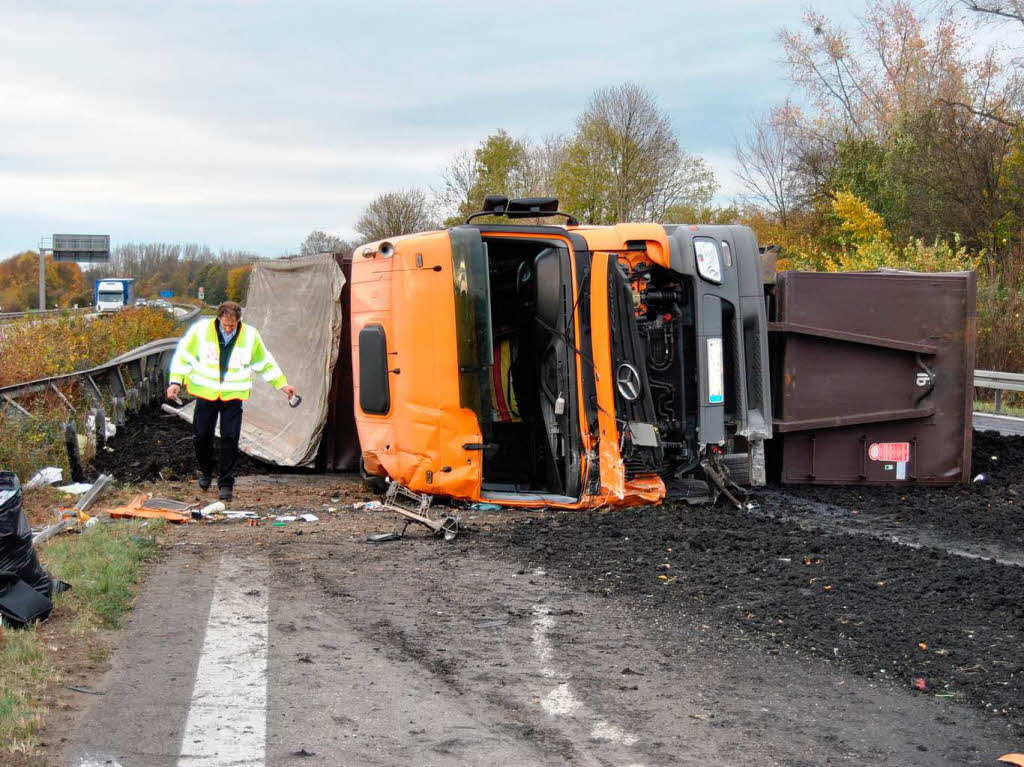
(216, 359)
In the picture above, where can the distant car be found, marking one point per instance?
(140, 301)
(160, 304)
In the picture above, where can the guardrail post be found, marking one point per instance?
(100, 419)
(999, 400)
(119, 411)
(74, 455)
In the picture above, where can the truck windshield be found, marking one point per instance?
(108, 296)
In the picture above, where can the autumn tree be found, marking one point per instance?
(624, 162)
(238, 283)
(395, 213)
(19, 283)
(905, 115)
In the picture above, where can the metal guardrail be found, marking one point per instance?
(193, 311)
(46, 313)
(132, 378)
(995, 379)
(147, 365)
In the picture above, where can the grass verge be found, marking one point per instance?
(104, 566)
(989, 407)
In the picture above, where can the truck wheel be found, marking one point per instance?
(371, 482)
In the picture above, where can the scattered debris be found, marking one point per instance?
(383, 537)
(235, 514)
(76, 488)
(479, 506)
(920, 683)
(214, 508)
(136, 510)
(48, 476)
(309, 517)
(397, 494)
(86, 690)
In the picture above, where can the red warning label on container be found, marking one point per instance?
(889, 451)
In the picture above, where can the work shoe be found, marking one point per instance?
(225, 493)
(204, 481)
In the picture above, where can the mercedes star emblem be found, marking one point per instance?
(627, 378)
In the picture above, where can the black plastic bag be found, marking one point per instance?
(17, 554)
(20, 604)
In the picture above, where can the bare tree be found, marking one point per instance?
(321, 242)
(768, 163)
(394, 213)
(624, 162)
(458, 180)
(1004, 9)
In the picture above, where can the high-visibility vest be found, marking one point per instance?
(196, 362)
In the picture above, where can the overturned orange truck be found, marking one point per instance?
(562, 366)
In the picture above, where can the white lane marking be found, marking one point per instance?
(541, 645)
(90, 762)
(606, 731)
(227, 721)
(561, 702)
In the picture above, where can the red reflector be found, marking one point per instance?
(667, 317)
(897, 452)
(692, 227)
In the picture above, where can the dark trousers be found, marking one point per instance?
(230, 412)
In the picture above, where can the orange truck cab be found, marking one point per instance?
(562, 366)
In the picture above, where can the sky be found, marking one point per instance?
(244, 124)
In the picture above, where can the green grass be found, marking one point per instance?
(104, 566)
(989, 407)
(24, 673)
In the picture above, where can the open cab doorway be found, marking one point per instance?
(530, 422)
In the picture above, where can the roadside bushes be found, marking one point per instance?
(850, 236)
(31, 349)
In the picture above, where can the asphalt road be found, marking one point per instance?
(1003, 424)
(330, 651)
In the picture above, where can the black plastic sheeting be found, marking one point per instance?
(19, 564)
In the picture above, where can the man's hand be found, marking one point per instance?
(289, 391)
(173, 390)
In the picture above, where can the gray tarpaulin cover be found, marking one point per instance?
(295, 304)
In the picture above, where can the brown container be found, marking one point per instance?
(872, 375)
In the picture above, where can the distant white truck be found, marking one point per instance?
(112, 294)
